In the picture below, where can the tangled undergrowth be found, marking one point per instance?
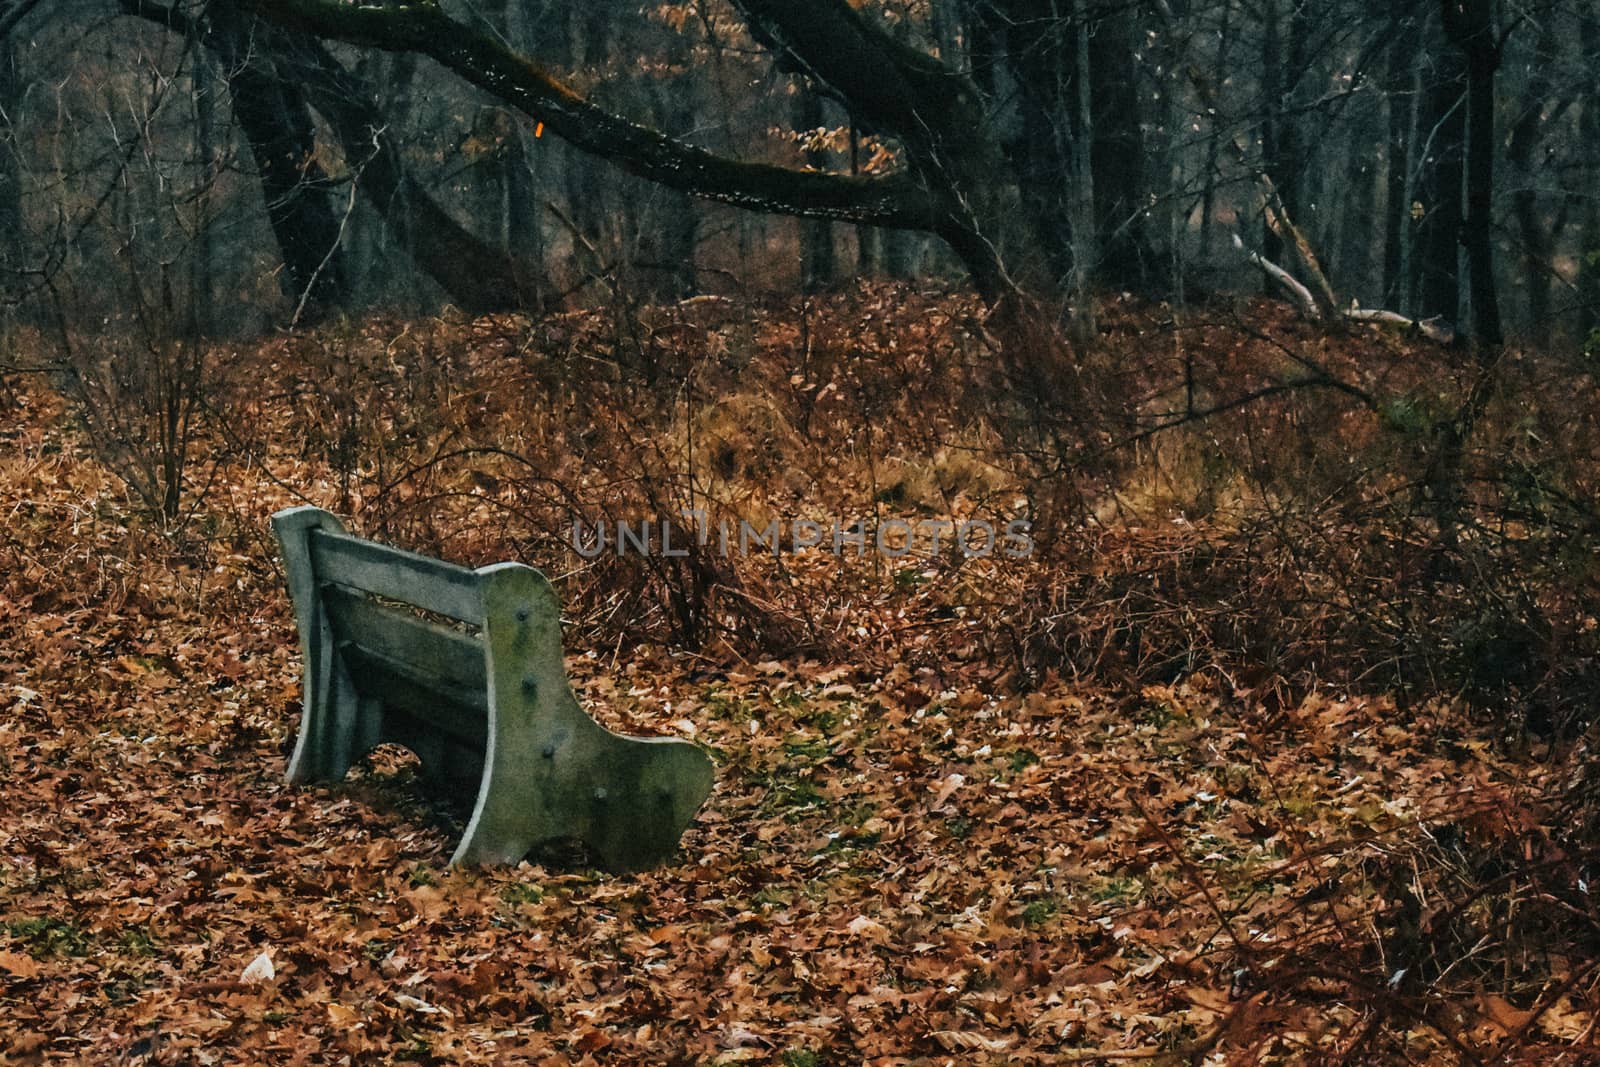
(1272, 747)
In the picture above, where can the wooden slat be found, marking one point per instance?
(429, 584)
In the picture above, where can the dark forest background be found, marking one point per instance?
(240, 167)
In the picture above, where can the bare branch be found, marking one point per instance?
(1302, 295)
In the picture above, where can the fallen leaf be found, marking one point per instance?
(739, 1037)
(861, 926)
(405, 1000)
(1565, 1022)
(1505, 1015)
(260, 969)
(948, 787)
(21, 966)
(966, 1041)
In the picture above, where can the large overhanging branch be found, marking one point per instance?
(424, 28)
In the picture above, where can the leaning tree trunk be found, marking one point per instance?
(946, 186)
(276, 74)
(476, 274)
(276, 121)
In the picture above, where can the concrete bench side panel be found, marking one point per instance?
(550, 770)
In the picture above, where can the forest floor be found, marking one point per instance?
(916, 851)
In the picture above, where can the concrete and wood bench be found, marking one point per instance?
(488, 712)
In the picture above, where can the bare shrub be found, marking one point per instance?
(1319, 533)
(142, 393)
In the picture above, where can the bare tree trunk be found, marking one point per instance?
(524, 224)
(1283, 67)
(1470, 25)
(1442, 131)
(1350, 234)
(898, 253)
(676, 222)
(589, 186)
(1213, 139)
(1120, 182)
(1538, 240)
(866, 236)
(1040, 49)
(816, 235)
(1589, 137)
(522, 233)
(1400, 102)
(201, 261)
(13, 252)
(1085, 244)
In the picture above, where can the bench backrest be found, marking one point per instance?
(431, 584)
(432, 680)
